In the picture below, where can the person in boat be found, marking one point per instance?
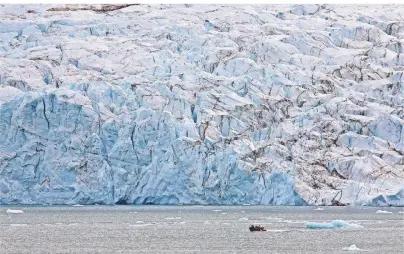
(257, 228)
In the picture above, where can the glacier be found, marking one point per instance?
(202, 104)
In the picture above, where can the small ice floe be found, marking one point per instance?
(217, 210)
(274, 218)
(400, 211)
(291, 221)
(141, 225)
(173, 218)
(318, 209)
(18, 225)
(77, 205)
(243, 219)
(14, 211)
(278, 230)
(133, 212)
(224, 213)
(382, 211)
(352, 248)
(246, 204)
(139, 222)
(332, 225)
(242, 211)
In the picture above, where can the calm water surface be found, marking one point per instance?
(196, 229)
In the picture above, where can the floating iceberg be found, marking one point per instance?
(382, 211)
(332, 225)
(274, 218)
(318, 209)
(14, 211)
(18, 225)
(243, 219)
(352, 248)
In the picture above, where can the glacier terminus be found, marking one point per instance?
(202, 104)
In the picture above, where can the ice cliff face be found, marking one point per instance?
(283, 105)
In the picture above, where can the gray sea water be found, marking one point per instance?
(197, 229)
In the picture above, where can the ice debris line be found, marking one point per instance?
(202, 104)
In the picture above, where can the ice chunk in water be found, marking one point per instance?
(382, 211)
(243, 219)
(18, 225)
(274, 218)
(14, 211)
(352, 248)
(333, 225)
(319, 209)
(316, 225)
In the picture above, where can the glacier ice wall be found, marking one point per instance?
(202, 104)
